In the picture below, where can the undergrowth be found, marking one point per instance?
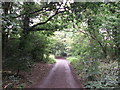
(51, 59)
(96, 73)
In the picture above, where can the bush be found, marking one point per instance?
(96, 74)
(22, 51)
(51, 59)
(16, 59)
(72, 59)
(18, 63)
(40, 46)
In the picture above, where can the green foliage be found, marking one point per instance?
(108, 77)
(90, 35)
(95, 47)
(40, 45)
(18, 63)
(58, 43)
(73, 60)
(15, 59)
(57, 48)
(21, 86)
(36, 48)
(51, 59)
(95, 73)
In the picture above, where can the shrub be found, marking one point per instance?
(51, 59)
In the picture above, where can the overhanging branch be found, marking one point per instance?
(45, 29)
(47, 19)
(41, 29)
(31, 12)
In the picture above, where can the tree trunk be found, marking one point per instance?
(26, 22)
(6, 6)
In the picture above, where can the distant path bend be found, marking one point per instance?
(60, 76)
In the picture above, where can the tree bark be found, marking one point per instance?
(26, 22)
(6, 6)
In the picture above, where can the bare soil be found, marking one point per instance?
(37, 73)
(27, 78)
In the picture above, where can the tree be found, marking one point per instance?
(19, 27)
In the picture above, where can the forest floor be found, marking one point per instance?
(36, 74)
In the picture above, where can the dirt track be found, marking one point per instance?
(60, 76)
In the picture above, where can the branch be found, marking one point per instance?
(32, 12)
(83, 32)
(40, 29)
(100, 43)
(28, 13)
(47, 19)
(46, 29)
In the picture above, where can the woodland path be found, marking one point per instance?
(60, 76)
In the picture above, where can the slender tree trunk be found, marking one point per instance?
(116, 34)
(18, 71)
(6, 6)
(26, 22)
